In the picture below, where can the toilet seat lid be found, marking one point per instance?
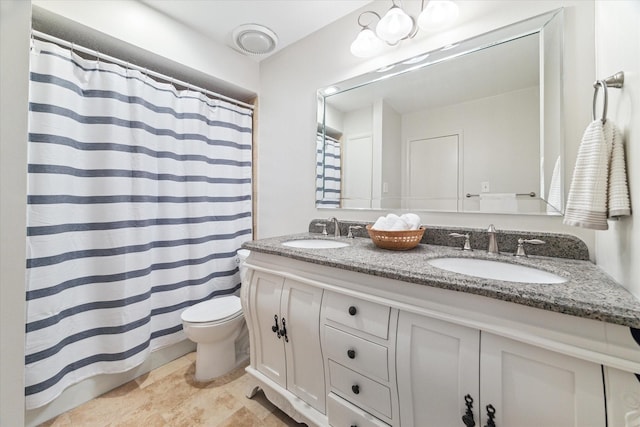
(213, 310)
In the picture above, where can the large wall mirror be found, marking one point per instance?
(472, 127)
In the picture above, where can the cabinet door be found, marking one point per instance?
(264, 302)
(300, 308)
(437, 366)
(532, 387)
(623, 397)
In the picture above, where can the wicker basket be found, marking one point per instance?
(396, 240)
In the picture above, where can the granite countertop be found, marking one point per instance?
(588, 293)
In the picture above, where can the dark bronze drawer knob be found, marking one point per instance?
(351, 354)
(355, 389)
(353, 310)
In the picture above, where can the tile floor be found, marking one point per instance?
(169, 397)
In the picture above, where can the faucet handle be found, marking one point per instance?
(351, 228)
(520, 250)
(324, 227)
(467, 244)
(491, 229)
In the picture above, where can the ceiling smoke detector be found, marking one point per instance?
(254, 39)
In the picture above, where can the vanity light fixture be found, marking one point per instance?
(396, 25)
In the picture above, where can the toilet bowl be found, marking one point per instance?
(218, 328)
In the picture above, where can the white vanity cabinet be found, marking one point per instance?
(285, 316)
(369, 351)
(526, 386)
(358, 341)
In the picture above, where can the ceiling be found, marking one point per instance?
(291, 20)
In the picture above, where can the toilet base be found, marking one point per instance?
(214, 360)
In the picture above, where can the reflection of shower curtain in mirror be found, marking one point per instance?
(139, 198)
(328, 175)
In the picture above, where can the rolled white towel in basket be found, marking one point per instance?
(393, 222)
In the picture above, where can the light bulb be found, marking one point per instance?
(394, 26)
(366, 44)
(438, 14)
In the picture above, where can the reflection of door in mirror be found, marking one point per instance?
(424, 156)
(357, 152)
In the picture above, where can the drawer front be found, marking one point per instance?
(356, 353)
(355, 313)
(343, 414)
(360, 390)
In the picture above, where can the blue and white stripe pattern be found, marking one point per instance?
(328, 171)
(139, 198)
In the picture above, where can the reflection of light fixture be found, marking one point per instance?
(330, 90)
(450, 46)
(397, 25)
(416, 59)
(385, 69)
(254, 39)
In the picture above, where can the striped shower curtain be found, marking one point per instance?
(139, 196)
(328, 171)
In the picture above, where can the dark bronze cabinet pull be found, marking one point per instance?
(491, 413)
(353, 310)
(351, 354)
(275, 328)
(355, 389)
(467, 418)
(283, 331)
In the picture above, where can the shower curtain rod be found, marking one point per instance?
(165, 78)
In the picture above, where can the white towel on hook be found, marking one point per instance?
(618, 197)
(592, 191)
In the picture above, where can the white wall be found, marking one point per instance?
(137, 24)
(288, 84)
(618, 49)
(15, 23)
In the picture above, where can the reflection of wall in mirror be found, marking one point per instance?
(501, 137)
(387, 129)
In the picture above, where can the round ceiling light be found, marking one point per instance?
(254, 39)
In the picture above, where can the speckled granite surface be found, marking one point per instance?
(588, 292)
(557, 245)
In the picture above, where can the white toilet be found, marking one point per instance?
(218, 328)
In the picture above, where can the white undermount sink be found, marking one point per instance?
(496, 270)
(315, 244)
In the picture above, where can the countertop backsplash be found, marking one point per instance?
(556, 245)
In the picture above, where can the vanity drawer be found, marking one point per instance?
(360, 390)
(356, 353)
(358, 314)
(343, 414)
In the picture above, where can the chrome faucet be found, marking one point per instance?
(520, 250)
(336, 226)
(493, 243)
